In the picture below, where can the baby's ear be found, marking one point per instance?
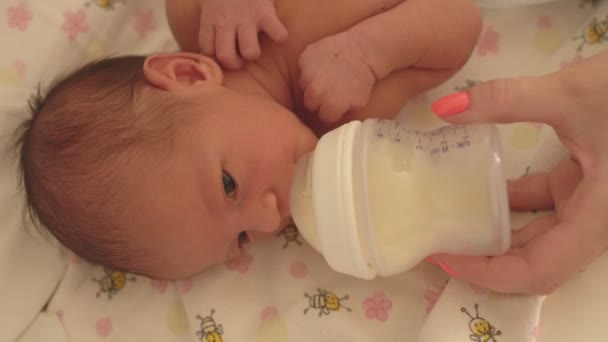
(179, 72)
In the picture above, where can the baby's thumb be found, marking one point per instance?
(529, 99)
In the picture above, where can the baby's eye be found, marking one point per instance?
(243, 239)
(229, 183)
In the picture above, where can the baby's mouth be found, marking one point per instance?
(284, 223)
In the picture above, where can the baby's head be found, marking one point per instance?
(153, 165)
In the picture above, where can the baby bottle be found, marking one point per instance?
(376, 198)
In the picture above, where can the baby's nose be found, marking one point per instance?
(266, 216)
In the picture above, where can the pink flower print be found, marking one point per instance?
(535, 332)
(544, 22)
(59, 314)
(185, 285)
(75, 22)
(377, 306)
(104, 327)
(144, 22)
(577, 59)
(432, 296)
(19, 16)
(242, 263)
(73, 258)
(161, 285)
(269, 311)
(169, 45)
(488, 42)
(21, 68)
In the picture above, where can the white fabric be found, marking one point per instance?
(263, 295)
(30, 267)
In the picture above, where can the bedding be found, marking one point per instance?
(280, 289)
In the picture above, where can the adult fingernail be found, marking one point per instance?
(446, 269)
(452, 104)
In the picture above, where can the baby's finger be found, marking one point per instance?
(206, 40)
(306, 75)
(312, 97)
(248, 42)
(532, 99)
(304, 80)
(564, 180)
(273, 27)
(225, 45)
(530, 192)
(332, 110)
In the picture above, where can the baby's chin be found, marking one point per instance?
(179, 269)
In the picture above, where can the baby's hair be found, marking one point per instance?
(89, 123)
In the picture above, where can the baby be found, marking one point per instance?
(166, 165)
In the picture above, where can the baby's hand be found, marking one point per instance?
(335, 76)
(226, 23)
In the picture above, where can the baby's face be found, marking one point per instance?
(226, 183)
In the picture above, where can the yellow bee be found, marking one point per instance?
(595, 33)
(105, 4)
(210, 331)
(290, 232)
(482, 330)
(325, 301)
(112, 282)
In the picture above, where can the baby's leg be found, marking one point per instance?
(411, 50)
(183, 17)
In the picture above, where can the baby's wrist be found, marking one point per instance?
(372, 54)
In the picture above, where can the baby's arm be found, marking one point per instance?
(430, 34)
(338, 72)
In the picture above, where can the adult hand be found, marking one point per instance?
(226, 24)
(549, 250)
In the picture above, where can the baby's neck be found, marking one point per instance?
(260, 81)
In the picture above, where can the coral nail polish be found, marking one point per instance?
(431, 260)
(451, 104)
(447, 269)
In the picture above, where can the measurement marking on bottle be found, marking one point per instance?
(437, 142)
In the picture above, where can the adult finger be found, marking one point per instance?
(531, 99)
(564, 180)
(530, 192)
(273, 27)
(225, 46)
(539, 268)
(248, 42)
(521, 237)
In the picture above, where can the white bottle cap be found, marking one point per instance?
(323, 188)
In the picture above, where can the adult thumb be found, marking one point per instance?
(525, 99)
